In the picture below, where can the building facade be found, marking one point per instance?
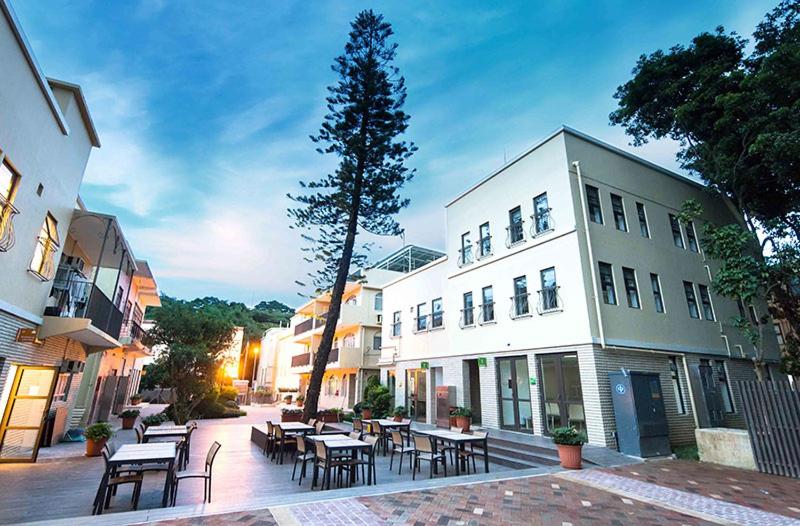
(566, 264)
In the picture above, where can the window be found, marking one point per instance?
(645, 231)
(593, 200)
(691, 237)
(549, 293)
(740, 304)
(676, 384)
(541, 214)
(677, 238)
(422, 317)
(619, 213)
(724, 388)
(607, 284)
(9, 181)
(379, 301)
(753, 315)
(655, 284)
(778, 333)
(485, 241)
(515, 234)
(437, 315)
(396, 323)
(377, 341)
(705, 301)
(520, 298)
(62, 387)
(465, 253)
(47, 244)
(349, 341)
(631, 291)
(691, 301)
(487, 305)
(467, 312)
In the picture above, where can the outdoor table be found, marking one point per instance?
(352, 445)
(385, 423)
(327, 438)
(294, 427)
(138, 454)
(460, 440)
(164, 432)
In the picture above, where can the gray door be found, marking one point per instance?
(351, 390)
(562, 395)
(711, 394)
(515, 394)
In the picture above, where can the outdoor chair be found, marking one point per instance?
(205, 475)
(471, 454)
(328, 463)
(357, 425)
(399, 446)
(369, 461)
(304, 456)
(312, 421)
(424, 451)
(355, 435)
(318, 427)
(111, 480)
(269, 443)
(282, 439)
(139, 435)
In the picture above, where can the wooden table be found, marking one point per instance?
(345, 444)
(460, 441)
(164, 432)
(155, 453)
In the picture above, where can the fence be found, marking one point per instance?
(772, 412)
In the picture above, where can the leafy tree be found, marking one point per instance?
(736, 118)
(361, 129)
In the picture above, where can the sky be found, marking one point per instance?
(204, 110)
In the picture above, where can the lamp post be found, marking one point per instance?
(255, 357)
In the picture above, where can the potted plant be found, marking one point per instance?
(96, 437)
(299, 400)
(398, 413)
(287, 399)
(366, 411)
(129, 417)
(152, 420)
(136, 399)
(463, 417)
(291, 415)
(329, 416)
(570, 443)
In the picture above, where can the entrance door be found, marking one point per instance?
(515, 394)
(416, 394)
(561, 391)
(474, 375)
(712, 395)
(351, 390)
(25, 413)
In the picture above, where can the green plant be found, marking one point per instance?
(287, 411)
(228, 393)
(377, 398)
(568, 436)
(400, 410)
(136, 396)
(461, 411)
(687, 452)
(129, 413)
(300, 398)
(152, 420)
(99, 431)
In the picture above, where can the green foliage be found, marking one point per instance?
(136, 396)
(461, 411)
(99, 431)
(568, 436)
(291, 411)
(152, 420)
(228, 393)
(686, 452)
(129, 413)
(400, 410)
(377, 398)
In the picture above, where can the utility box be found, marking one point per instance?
(642, 429)
(445, 399)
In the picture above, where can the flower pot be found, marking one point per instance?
(127, 423)
(398, 419)
(452, 422)
(95, 447)
(299, 403)
(570, 456)
(463, 422)
(366, 414)
(136, 401)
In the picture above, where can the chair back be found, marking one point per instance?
(372, 440)
(312, 421)
(480, 434)
(212, 453)
(406, 421)
(139, 435)
(355, 435)
(357, 426)
(367, 427)
(322, 453)
(397, 438)
(301, 445)
(278, 431)
(319, 426)
(270, 428)
(423, 443)
(455, 429)
(106, 458)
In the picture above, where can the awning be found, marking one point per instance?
(80, 330)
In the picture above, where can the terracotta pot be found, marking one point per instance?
(135, 401)
(127, 423)
(95, 447)
(398, 419)
(463, 422)
(453, 421)
(366, 414)
(570, 456)
(299, 403)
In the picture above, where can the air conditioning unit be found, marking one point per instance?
(380, 319)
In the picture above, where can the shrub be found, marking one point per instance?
(461, 411)
(136, 396)
(288, 411)
(153, 420)
(400, 410)
(300, 398)
(99, 431)
(232, 404)
(129, 413)
(568, 436)
(378, 397)
(228, 393)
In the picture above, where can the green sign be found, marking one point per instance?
(424, 365)
(533, 380)
(481, 362)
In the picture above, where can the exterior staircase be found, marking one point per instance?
(520, 455)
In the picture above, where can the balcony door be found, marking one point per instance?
(561, 391)
(515, 394)
(25, 412)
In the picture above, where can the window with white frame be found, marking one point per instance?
(618, 208)
(705, 301)
(691, 237)
(676, 384)
(691, 300)
(437, 313)
(484, 241)
(541, 214)
(548, 296)
(487, 305)
(9, 181)
(593, 202)
(643, 228)
(63, 384)
(396, 323)
(675, 227)
(520, 299)
(379, 301)
(607, 283)
(47, 244)
(515, 226)
(422, 317)
(465, 252)
(658, 299)
(467, 311)
(724, 386)
(631, 290)
(377, 341)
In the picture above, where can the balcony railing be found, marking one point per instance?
(421, 323)
(549, 300)
(484, 246)
(429, 322)
(78, 298)
(333, 356)
(300, 360)
(464, 256)
(7, 213)
(542, 222)
(486, 313)
(520, 305)
(131, 329)
(304, 326)
(515, 233)
(467, 317)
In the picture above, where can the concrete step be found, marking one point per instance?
(522, 453)
(512, 462)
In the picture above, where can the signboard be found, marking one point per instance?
(424, 365)
(533, 380)
(482, 362)
(26, 335)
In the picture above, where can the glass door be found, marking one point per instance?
(25, 413)
(515, 394)
(562, 396)
(416, 389)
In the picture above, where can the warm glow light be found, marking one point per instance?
(231, 370)
(256, 349)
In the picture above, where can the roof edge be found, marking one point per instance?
(82, 106)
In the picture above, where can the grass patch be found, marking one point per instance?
(686, 453)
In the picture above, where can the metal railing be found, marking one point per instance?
(520, 306)
(437, 319)
(132, 330)
(79, 298)
(542, 222)
(464, 256)
(47, 270)
(421, 323)
(549, 300)
(7, 213)
(304, 326)
(515, 233)
(484, 246)
(486, 313)
(333, 356)
(467, 318)
(299, 360)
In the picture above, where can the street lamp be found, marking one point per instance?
(255, 357)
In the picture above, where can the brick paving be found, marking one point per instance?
(769, 493)
(243, 518)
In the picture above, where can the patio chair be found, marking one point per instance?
(399, 446)
(328, 463)
(282, 439)
(111, 480)
(318, 427)
(471, 454)
(139, 435)
(424, 451)
(205, 475)
(304, 456)
(269, 443)
(357, 425)
(312, 421)
(369, 461)
(355, 435)
(187, 444)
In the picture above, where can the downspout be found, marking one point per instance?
(577, 166)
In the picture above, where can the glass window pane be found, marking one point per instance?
(506, 387)
(6, 181)
(643, 228)
(593, 201)
(619, 213)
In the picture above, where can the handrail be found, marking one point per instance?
(484, 249)
(486, 308)
(549, 300)
(520, 306)
(7, 213)
(80, 298)
(467, 318)
(514, 230)
(543, 220)
(464, 256)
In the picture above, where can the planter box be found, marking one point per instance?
(291, 417)
(328, 418)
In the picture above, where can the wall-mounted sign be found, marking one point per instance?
(27, 335)
(482, 362)
(533, 380)
(424, 365)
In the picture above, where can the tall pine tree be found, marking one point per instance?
(362, 128)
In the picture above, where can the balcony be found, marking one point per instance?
(81, 299)
(304, 326)
(7, 213)
(301, 360)
(515, 234)
(549, 300)
(387, 356)
(346, 358)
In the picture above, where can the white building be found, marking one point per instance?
(565, 264)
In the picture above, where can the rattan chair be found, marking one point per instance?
(205, 475)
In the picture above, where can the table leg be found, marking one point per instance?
(352, 473)
(486, 455)
(168, 483)
(458, 445)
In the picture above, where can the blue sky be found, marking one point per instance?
(204, 109)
